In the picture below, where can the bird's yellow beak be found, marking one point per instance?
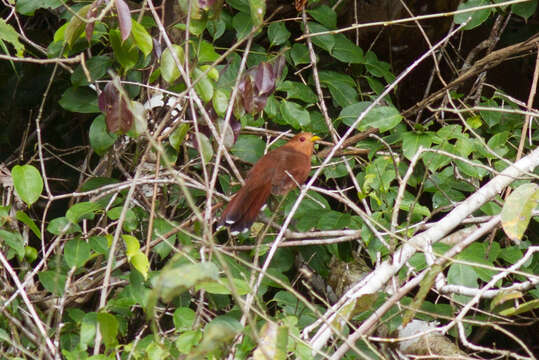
(315, 138)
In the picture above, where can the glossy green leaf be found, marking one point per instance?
(76, 253)
(125, 52)
(177, 138)
(75, 26)
(14, 241)
(142, 39)
(62, 225)
(169, 69)
(412, 141)
(79, 100)
(97, 67)
(100, 139)
(381, 117)
(300, 54)
(8, 33)
(223, 287)
(130, 220)
(183, 318)
(82, 210)
(88, 328)
(326, 42)
(258, 11)
(325, 16)
(28, 183)
(517, 210)
(477, 17)
(297, 90)
(278, 34)
(204, 86)
(525, 9)
(28, 7)
(249, 148)
(346, 51)
(27, 220)
(295, 115)
(108, 326)
(243, 24)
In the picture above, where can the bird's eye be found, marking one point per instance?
(302, 139)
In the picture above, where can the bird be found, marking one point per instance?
(277, 172)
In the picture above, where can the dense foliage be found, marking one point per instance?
(128, 125)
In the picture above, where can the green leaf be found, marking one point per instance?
(88, 328)
(204, 86)
(220, 102)
(222, 286)
(141, 263)
(53, 281)
(381, 117)
(243, 24)
(411, 142)
(76, 253)
(517, 210)
(82, 210)
(258, 11)
(79, 100)
(173, 282)
(278, 34)
(97, 67)
(14, 241)
(130, 220)
(249, 148)
(525, 9)
(183, 318)
(187, 340)
(125, 52)
(325, 16)
(62, 225)
(295, 115)
(341, 87)
(25, 219)
(28, 183)
(346, 51)
(100, 139)
(75, 26)
(28, 7)
(297, 90)
(478, 16)
(205, 148)
(177, 138)
(108, 326)
(300, 54)
(326, 42)
(169, 70)
(8, 33)
(142, 39)
(206, 52)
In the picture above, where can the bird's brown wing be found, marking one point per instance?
(292, 171)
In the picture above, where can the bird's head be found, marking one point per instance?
(304, 142)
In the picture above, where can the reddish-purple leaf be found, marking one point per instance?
(264, 79)
(89, 29)
(259, 103)
(236, 127)
(246, 93)
(206, 4)
(278, 66)
(124, 18)
(118, 115)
